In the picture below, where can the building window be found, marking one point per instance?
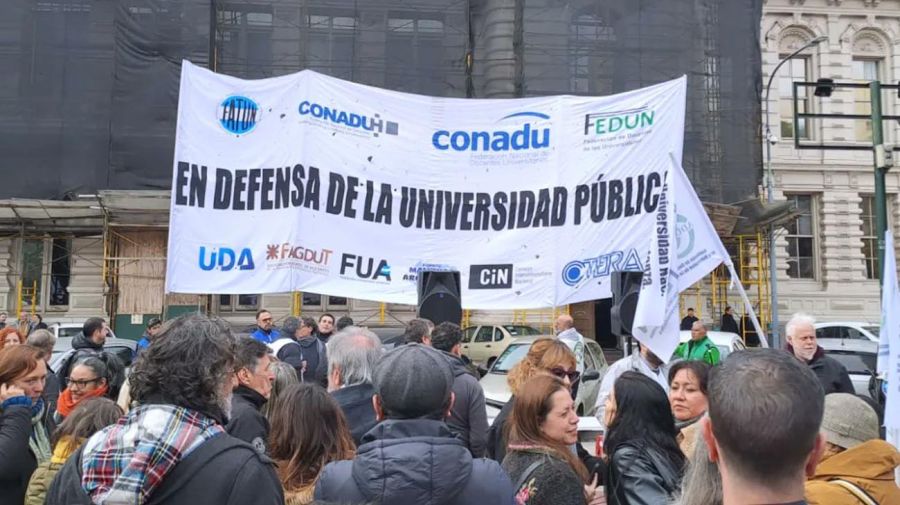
(801, 239)
(870, 237)
(238, 303)
(864, 70)
(314, 301)
(415, 43)
(60, 271)
(244, 40)
(591, 42)
(46, 271)
(32, 271)
(330, 44)
(796, 69)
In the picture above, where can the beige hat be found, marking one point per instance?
(848, 421)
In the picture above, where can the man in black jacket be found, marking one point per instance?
(468, 417)
(255, 378)
(299, 347)
(183, 385)
(90, 343)
(411, 456)
(803, 344)
(352, 355)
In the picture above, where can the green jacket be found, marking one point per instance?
(704, 350)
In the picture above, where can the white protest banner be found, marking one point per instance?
(309, 183)
(889, 339)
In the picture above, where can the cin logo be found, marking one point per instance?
(490, 276)
(365, 268)
(530, 134)
(225, 259)
(238, 114)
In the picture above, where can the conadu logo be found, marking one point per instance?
(603, 123)
(519, 131)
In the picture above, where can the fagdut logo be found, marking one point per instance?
(239, 114)
(365, 268)
(601, 266)
(522, 131)
(296, 257)
(491, 276)
(684, 236)
(621, 121)
(352, 121)
(225, 259)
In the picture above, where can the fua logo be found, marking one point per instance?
(527, 136)
(684, 236)
(238, 114)
(365, 268)
(225, 259)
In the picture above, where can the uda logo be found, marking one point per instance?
(225, 259)
(238, 114)
(684, 236)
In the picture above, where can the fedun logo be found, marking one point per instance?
(365, 268)
(238, 114)
(225, 259)
(527, 136)
(601, 266)
(375, 124)
(602, 123)
(684, 236)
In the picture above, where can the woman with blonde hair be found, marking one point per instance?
(308, 431)
(547, 356)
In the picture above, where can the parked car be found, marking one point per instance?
(124, 348)
(483, 344)
(68, 330)
(727, 342)
(496, 390)
(858, 356)
(848, 330)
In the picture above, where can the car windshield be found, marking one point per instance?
(856, 363)
(510, 357)
(872, 329)
(70, 331)
(521, 331)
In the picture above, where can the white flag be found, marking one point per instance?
(889, 336)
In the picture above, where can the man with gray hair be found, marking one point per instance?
(352, 355)
(418, 331)
(802, 343)
(765, 410)
(45, 340)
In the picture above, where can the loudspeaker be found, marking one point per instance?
(626, 287)
(439, 297)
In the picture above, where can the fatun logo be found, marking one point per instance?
(490, 276)
(365, 268)
(520, 131)
(603, 123)
(374, 125)
(225, 259)
(238, 114)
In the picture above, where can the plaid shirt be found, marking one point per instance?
(125, 462)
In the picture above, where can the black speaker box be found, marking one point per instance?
(626, 288)
(439, 297)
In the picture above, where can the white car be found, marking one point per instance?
(848, 330)
(63, 330)
(496, 390)
(483, 344)
(727, 342)
(858, 356)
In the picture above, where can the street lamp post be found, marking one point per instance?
(770, 193)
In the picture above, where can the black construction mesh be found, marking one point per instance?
(89, 88)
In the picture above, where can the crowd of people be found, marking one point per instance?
(318, 411)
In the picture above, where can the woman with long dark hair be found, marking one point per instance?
(89, 378)
(540, 461)
(308, 431)
(645, 463)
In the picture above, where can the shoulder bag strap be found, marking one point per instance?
(856, 491)
(524, 478)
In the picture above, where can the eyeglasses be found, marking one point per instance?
(82, 384)
(562, 373)
(266, 320)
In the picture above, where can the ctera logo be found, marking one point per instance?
(374, 125)
(527, 136)
(601, 266)
(603, 123)
(225, 259)
(238, 114)
(365, 268)
(490, 276)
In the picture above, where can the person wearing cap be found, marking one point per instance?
(153, 327)
(411, 456)
(856, 464)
